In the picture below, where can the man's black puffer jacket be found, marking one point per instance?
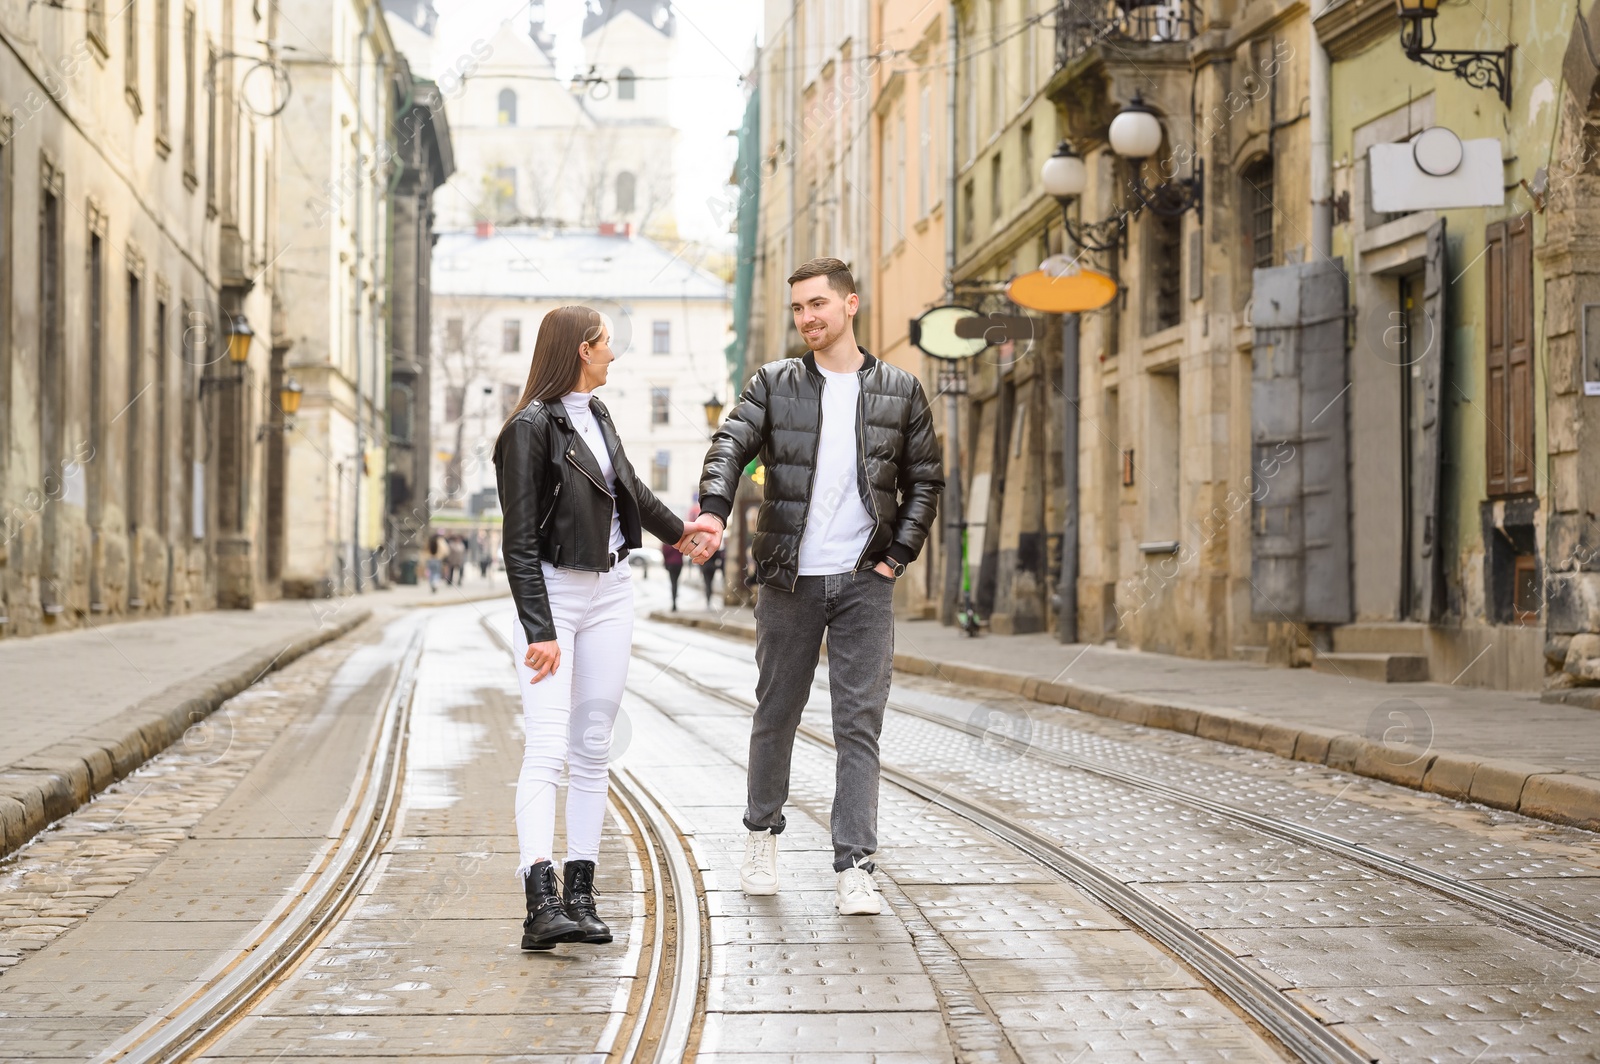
(779, 417)
(557, 508)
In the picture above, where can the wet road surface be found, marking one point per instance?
(1062, 887)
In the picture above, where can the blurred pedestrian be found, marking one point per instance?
(708, 569)
(458, 559)
(672, 559)
(437, 552)
(485, 559)
(574, 508)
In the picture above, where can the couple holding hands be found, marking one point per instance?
(853, 480)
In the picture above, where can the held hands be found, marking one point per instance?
(701, 538)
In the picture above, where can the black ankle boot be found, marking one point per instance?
(547, 922)
(580, 902)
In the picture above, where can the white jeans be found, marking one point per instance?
(568, 716)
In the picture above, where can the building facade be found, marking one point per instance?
(334, 173)
(536, 147)
(139, 229)
(491, 289)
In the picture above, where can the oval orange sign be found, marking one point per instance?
(1068, 292)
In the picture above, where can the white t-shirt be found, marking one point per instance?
(837, 523)
(588, 426)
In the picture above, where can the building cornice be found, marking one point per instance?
(1350, 27)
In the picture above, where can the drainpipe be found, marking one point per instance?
(955, 522)
(1321, 142)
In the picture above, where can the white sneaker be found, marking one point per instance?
(759, 873)
(857, 894)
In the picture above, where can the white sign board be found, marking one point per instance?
(1400, 184)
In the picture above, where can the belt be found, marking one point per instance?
(614, 557)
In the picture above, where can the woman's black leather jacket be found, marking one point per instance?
(557, 508)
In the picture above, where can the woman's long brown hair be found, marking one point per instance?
(556, 366)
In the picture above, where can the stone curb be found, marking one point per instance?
(50, 783)
(1532, 790)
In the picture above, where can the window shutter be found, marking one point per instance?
(1495, 361)
(1519, 354)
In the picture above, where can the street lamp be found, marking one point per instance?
(289, 397)
(239, 336)
(713, 412)
(1136, 135)
(1065, 177)
(1481, 70)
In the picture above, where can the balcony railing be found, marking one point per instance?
(1082, 24)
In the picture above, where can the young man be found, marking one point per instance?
(853, 481)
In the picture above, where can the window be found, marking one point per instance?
(1030, 56)
(163, 484)
(189, 89)
(1158, 471)
(508, 108)
(970, 79)
(625, 192)
(211, 136)
(1509, 344)
(511, 336)
(996, 191)
(969, 210)
(660, 404)
(661, 338)
(130, 52)
(924, 151)
(625, 84)
(97, 397)
(454, 334)
(133, 421)
(1163, 272)
(455, 401)
(1257, 215)
(997, 96)
(163, 46)
(661, 471)
(1027, 157)
(900, 172)
(886, 192)
(97, 25)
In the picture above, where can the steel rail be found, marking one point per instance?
(1299, 1030)
(678, 1007)
(1527, 915)
(194, 1024)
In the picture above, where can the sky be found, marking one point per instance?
(716, 42)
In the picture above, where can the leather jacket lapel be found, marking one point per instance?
(575, 452)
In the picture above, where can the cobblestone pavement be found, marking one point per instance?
(988, 952)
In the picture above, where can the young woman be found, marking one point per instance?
(573, 509)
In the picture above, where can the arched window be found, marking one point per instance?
(1255, 186)
(508, 107)
(625, 83)
(625, 185)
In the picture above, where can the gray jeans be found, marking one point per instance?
(859, 609)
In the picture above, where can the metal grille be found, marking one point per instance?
(1258, 193)
(1081, 24)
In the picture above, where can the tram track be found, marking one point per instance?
(248, 973)
(1527, 916)
(1245, 986)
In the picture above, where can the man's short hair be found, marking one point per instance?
(837, 273)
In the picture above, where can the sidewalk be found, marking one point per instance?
(82, 709)
(1504, 749)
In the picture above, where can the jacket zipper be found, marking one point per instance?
(585, 472)
(811, 483)
(554, 498)
(861, 467)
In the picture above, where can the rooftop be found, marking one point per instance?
(530, 263)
